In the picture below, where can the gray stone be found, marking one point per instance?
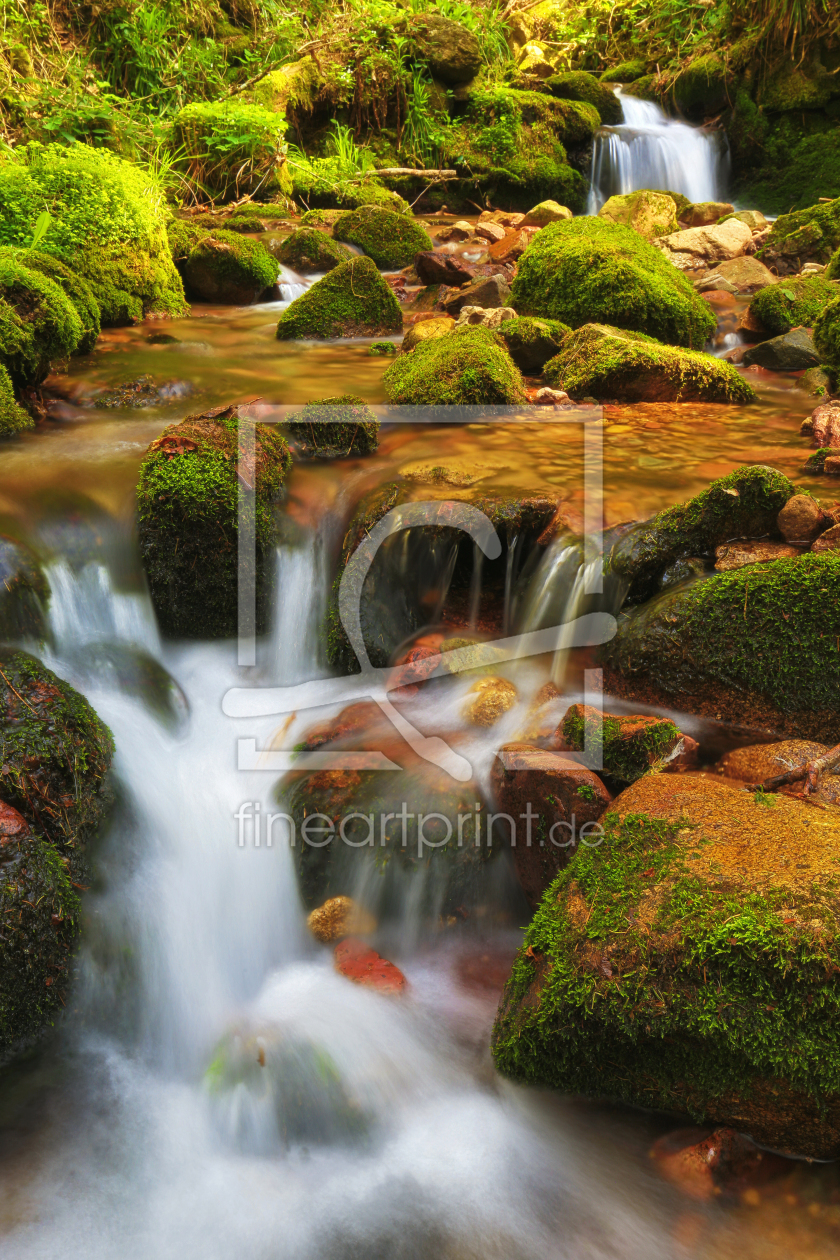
(792, 352)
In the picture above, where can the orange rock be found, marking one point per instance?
(704, 1165)
(361, 964)
(511, 247)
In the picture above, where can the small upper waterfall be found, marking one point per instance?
(650, 150)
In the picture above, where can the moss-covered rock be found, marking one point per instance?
(352, 300)
(322, 218)
(625, 72)
(649, 213)
(227, 267)
(309, 249)
(450, 50)
(810, 235)
(702, 86)
(627, 747)
(832, 271)
(294, 86)
(391, 240)
(232, 146)
(783, 161)
(827, 337)
(687, 963)
(13, 418)
(796, 85)
(794, 303)
(183, 236)
(332, 428)
(585, 270)
(744, 504)
(39, 325)
(531, 342)
(55, 756)
(578, 85)
(756, 646)
(24, 591)
(470, 366)
(188, 520)
(611, 363)
(108, 225)
(75, 287)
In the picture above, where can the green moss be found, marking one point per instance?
(232, 147)
(792, 303)
(13, 418)
(40, 325)
(76, 289)
(832, 271)
(380, 349)
(466, 367)
(351, 301)
(334, 427)
(610, 363)
(814, 465)
(783, 162)
(532, 342)
(183, 236)
(827, 336)
(625, 72)
(796, 86)
(188, 506)
(649, 213)
(309, 249)
(293, 86)
(702, 86)
(391, 240)
(108, 225)
(648, 87)
(626, 748)
(321, 218)
(744, 504)
(329, 183)
(584, 270)
(810, 235)
(639, 982)
(577, 85)
(228, 267)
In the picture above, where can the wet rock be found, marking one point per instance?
(188, 514)
(684, 570)
(486, 292)
(544, 213)
(754, 219)
(512, 246)
(435, 268)
(736, 554)
(351, 301)
(135, 673)
(758, 762)
(554, 801)
(532, 342)
(339, 917)
(810, 235)
(625, 747)
(225, 267)
(829, 540)
(491, 319)
(55, 796)
(744, 275)
(24, 593)
(651, 214)
(492, 232)
(801, 520)
(142, 392)
(793, 303)
(488, 700)
(704, 213)
(334, 428)
(701, 246)
(704, 1165)
(656, 952)
(823, 425)
(546, 397)
(745, 504)
(505, 218)
(815, 382)
(426, 329)
(450, 50)
(467, 367)
(310, 249)
(792, 352)
(460, 231)
(578, 85)
(361, 964)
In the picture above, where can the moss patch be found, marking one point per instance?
(532, 342)
(75, 287)
(578, 85)
(792, 303)
(13, 418)
(351, 301)
(309, 249)
(810, 235)
(391, 240)
(332, 428)
(464, 367)
(629, 747)
(584, 270)
(827, 337)
(232, 147)
(651, 214)
(625, 72)
(227, 267)
(39, 325)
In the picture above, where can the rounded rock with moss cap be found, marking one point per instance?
(625, 72)
(309, 249)
(470, 366)
(588, 270)
(579, 85)
(352, 300)
(651, 214)
(226, 267)
(392, 240)
(810, 235)
(333, 428)
(39, 325)
(532, 342)
(546, 212)
(792, 303)
(75, 287)
(14, 419)
(188, 521)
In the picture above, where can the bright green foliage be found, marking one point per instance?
(352, 300)
(13, 418)
(334, 427)
(188, 513)
(466, 367)
(532, 342)
(74, 286)
(827, 336)
(611, 363)
(39, 324)
(183, 235)
(577, 85)
(108, 225)
(309, 249)
(588, 270)
(793, 303)
(328, 182)
(744, 504)
(228, 267)
(231, 147)
(391, 240)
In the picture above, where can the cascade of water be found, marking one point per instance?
(650, 150)
(291, 285)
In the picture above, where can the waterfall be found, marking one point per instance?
(650, 150)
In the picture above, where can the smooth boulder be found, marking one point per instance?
(651, 214)
(701, 246)
(792, 352)
(352, 300)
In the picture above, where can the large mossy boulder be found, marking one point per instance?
(651, 214)
(392, 240)
(39, 325)
(333, 428)
(794, 303)
(188, 504)
(55, 796)
(827, 337)
(578, 85)
(13, 418)
(755, 646)
(688, 963)
(588, 270)
(228, 268)
(625, 72)
(108, 225)
(351, 301)
(451, 51)
(611, 363)
(744, 504)
(74, 287)
(309, 249)
(470, 366)
(810, 235)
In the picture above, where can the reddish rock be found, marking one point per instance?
(551, 798)
(413, 667)
(801, 520)
(829, 541)
(823, 425)
(350, 721)
(505, 218)
(688, 759)
(751, 326)
(720, 299)
(436, 268)
(511, 247)
(490, 231)
(704, 1165)
(361, 964)
(734, 555)
(13, 828)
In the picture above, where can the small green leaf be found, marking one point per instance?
(789, 294)
(42, 224)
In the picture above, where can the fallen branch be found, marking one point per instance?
(412, 170)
